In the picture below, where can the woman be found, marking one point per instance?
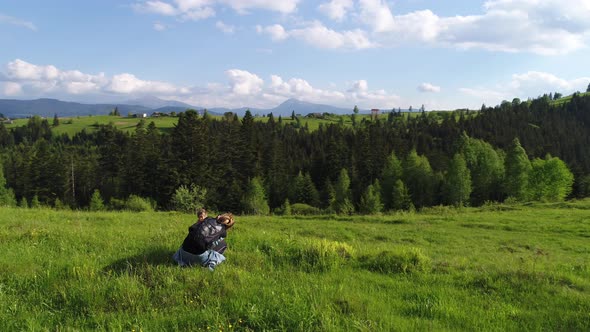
(205, 243)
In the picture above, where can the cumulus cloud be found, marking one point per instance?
(428, 87)
(243, 82)
(11, 89)
(526, 85)
(48, 79)
(275, 31)
(318, 35)
(5, 19)
(336, 9)
(242, 88)
(541, 27)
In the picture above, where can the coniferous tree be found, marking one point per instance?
(254, 200)
(401, 199)
(35, 204)
(7, 197)
(458, 182)
(96, 202)
(23, 203)
(342, 201)
(55, 120)
(391, 173)
(518, 167)
(371, 200)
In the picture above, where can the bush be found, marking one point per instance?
(189, 199)
(304, 209)
(138, 204)
(404, 261)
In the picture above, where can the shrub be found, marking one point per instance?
(303, 209)
(188, 199)
(404, 261)
(138, 204)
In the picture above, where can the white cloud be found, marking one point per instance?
(376, 13)
(16, 21)
(316, 34)
(11, 89)
(243, 82)
(282, 6)
(545, 27)
(156, 7)
(195, 10)
(276, 32)
(242, 88)
(227, 29)
(336, 9)
(38, 80)
(526, 85)
(428, 87)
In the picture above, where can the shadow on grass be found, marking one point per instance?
(153, 257)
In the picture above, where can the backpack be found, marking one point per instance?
(209, 234)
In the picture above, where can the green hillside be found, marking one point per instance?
(494, 268)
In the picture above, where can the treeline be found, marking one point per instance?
(531, 150)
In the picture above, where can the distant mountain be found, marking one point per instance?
(300, 107)
(155, 102)
(45, 107)
(13, 108)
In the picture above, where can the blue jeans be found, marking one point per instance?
(209, 258)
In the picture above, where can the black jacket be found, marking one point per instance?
(208, 234)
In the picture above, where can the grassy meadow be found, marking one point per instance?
(494, 268)
(73, 125)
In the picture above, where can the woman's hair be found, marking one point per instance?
(201, 211)
(227, 219)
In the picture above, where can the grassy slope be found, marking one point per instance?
(165, 124)
(493, 268)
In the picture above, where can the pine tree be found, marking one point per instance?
(55, 120)
(371, 200)
(401, 199)
(518, 167)
(342, 201)
(254, 200)
(391, 173)
(35, 204)
(7, 197)
(96, 202)
(458, 182)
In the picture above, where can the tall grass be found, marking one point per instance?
(494, 268)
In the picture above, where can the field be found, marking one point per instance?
(494, 268)
(73, 125)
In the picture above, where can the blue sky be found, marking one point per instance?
(258, 53)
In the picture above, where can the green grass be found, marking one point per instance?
(71, 126)
(567, 99)
(494, 268)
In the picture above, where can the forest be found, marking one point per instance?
(535, 150)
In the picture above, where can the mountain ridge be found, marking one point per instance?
(48, 107)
